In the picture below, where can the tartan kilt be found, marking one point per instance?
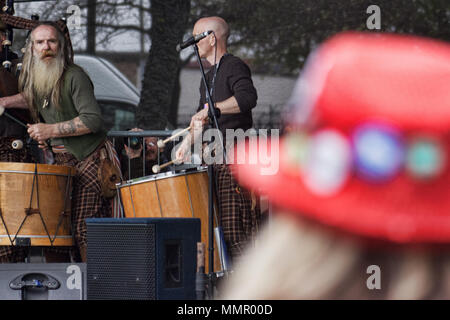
(240, 213)
(87, 201)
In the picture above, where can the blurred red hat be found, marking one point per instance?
(368, 140)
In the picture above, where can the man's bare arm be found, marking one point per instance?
(228, 106)
(16, 101)
(70, 128)
(74, 127)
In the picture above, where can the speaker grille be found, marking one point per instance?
(129, 247)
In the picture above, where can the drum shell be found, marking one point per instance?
(18, 186)
(171, 195)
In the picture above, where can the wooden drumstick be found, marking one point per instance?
(162, 143)
(3, 112)
(156, 168)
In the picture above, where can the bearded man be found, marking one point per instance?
(61, 93)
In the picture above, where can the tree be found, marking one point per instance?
(278, 35)
(91, 27)
(160, 89)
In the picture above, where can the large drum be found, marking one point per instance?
(35, 204)
(171, 195)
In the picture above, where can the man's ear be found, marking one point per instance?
(212, 40)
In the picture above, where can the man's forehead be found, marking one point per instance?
(200, 27)
(43, 32)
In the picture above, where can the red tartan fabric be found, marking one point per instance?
(87, 201)
(240, 218)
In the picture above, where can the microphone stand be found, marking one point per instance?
(213, 114)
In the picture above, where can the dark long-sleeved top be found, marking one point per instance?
(233, 79)
(9, 128)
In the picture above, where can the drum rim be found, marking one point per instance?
(38, 173)
(160, 176)
(41, 168)
(37, 236)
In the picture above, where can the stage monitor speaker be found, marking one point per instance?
(43, 281)
(142, 258)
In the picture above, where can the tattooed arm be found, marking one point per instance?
(74, 127)
(43, 131)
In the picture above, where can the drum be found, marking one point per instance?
(35, 204)
(171, 195)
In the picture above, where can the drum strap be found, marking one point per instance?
(30, 211)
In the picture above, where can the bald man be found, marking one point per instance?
(232, 90)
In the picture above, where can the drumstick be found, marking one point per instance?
(162, 143)
(3, 112)
(156, 168)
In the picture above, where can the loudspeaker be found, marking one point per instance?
(43, 281)
(142, 258)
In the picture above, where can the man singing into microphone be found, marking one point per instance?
(232, 90)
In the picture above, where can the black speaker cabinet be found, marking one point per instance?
(42, 281)
(142, 258)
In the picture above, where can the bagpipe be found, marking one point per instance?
(10, 68)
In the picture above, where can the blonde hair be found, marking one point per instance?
(297, 259)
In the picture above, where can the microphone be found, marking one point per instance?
(192, 40)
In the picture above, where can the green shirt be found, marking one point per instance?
(77, 100)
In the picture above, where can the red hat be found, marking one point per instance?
(368, 142)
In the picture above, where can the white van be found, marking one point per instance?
(116, 95)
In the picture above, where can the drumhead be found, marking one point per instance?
(163, 175)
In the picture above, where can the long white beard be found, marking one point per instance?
(45, 75)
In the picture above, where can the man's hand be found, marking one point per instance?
(43, 146)
(183, 152)
(41, 131)
(201, 116)
(133, 153)
(16, 101)
(151, 148)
